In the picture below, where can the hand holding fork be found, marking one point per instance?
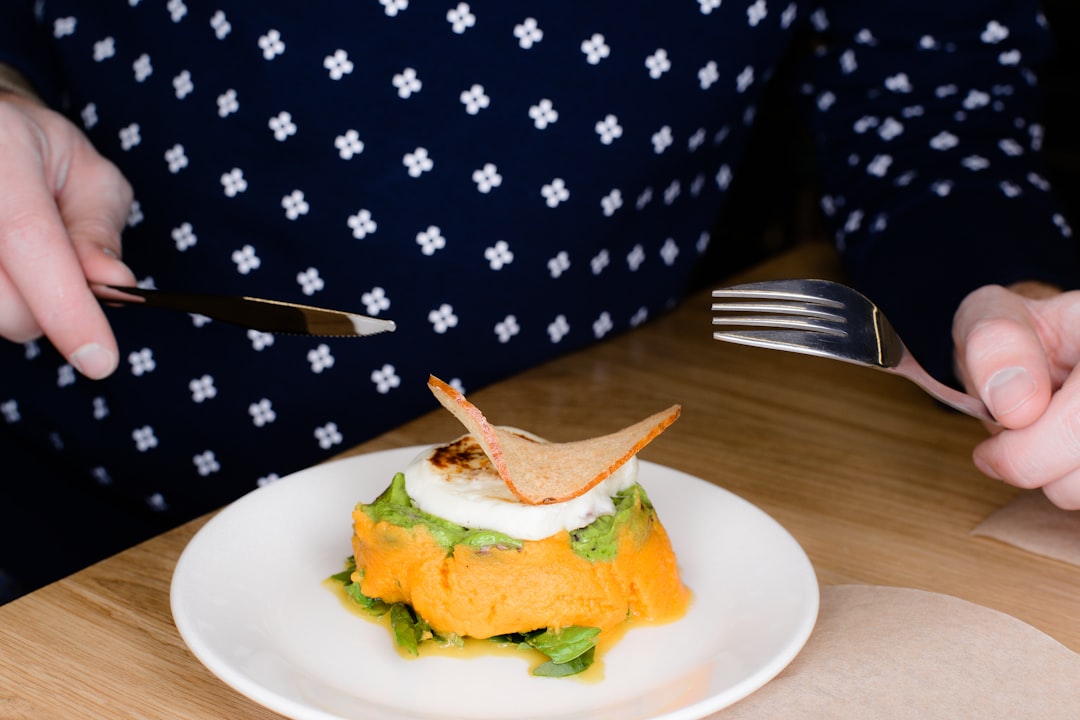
(827, 319)
(1015, 347)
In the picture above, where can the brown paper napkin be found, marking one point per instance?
(883, 653)
(1035, 524)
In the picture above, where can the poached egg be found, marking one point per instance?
(458, 483)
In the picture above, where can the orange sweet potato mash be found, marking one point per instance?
(492, 591)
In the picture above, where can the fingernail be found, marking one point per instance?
(110, 253)
(1008, 389)
(93, 361)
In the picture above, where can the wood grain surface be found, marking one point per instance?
(869, 474)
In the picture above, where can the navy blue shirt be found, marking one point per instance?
(508, 181)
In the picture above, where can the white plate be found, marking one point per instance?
(248, 598)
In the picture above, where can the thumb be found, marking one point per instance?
(94, 206)
(1000, 356)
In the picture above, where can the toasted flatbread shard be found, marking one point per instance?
(539, 473)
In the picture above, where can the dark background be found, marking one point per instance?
(772, 203)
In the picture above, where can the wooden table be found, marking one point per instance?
(869, 474)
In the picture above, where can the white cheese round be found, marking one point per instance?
(458, 483)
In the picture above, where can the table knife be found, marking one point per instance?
(272, 316)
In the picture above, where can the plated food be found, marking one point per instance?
(501, 535)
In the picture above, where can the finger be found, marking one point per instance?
(47, 274)
(1065, 493)
(17, 323)
(1041, 453)
(95, 210)
(43, 266)
(1001, 357)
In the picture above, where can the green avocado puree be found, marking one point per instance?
(596, 542)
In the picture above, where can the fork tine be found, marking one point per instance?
(806, 291)
(774, 323)
(795, 341)
(789, 313)
(809, 317)
(783, 308)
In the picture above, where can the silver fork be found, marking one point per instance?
(827, 319)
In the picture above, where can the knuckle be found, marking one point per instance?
(991, 336)
(16, 322)
(23, 232)
(1040, 454)
(1065, 493)
(1069, 434)
(1021, 470)
(92, 229)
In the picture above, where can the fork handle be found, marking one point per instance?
(909, 368)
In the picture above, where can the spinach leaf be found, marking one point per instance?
(566, 644)
(511, 638)
(345, 576)
(570, 650)
(572, 667)
(374, 606)
(409, 629)
(448, 640)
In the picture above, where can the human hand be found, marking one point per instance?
(1018, 349)
(62, 207)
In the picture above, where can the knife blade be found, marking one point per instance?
(272, 316)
